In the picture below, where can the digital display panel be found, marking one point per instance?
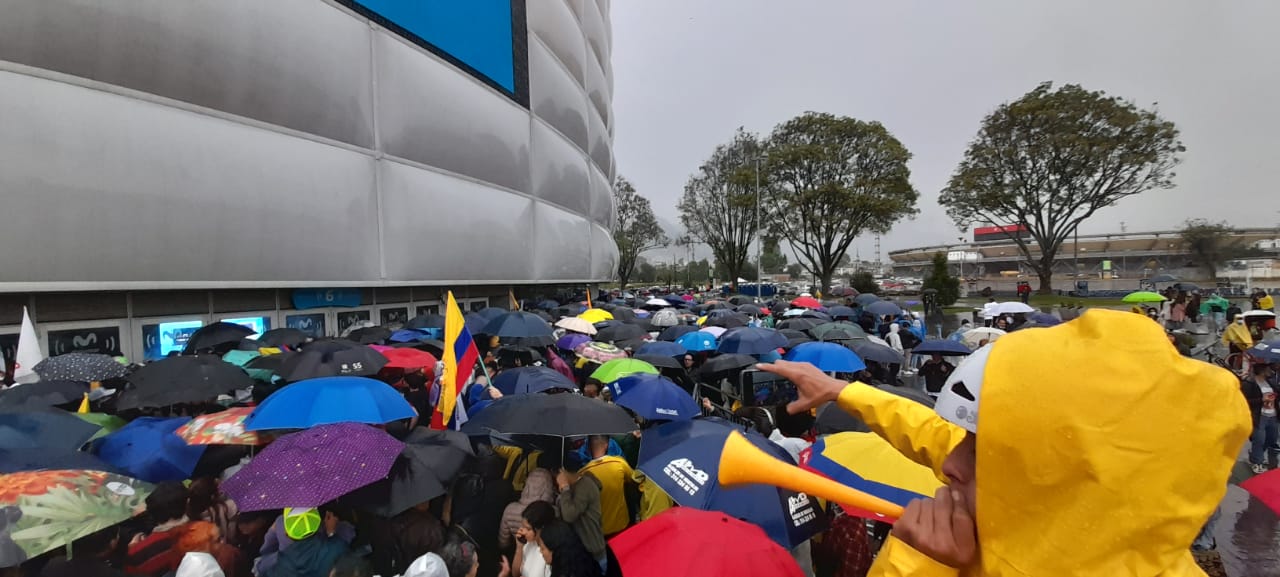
(258, 325)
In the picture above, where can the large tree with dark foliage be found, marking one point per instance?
(635, 228)
(832, 178)
(719, 203)
(1213, 243)
(1054, 158)
(940, 279)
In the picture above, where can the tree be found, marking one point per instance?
(864, 283)
(1053, 158)
(771, 258)
(719, 203)
(1212, 243)
(830, 180)
(795, 270)
(635, 228)
(940, 279)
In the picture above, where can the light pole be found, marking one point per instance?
(759, 237)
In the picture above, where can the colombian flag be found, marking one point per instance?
(460, 358)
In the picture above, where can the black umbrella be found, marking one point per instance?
(508, 355)
(51, 430)
(842, 312)
(16, 460)
(187, 379)
(739, 300)
(840, 335)
(520, 328)
(424, 470)
(42, 394)
(286, 337)
(548, 305)
(726, 363)
(670, 334)
(874, 352)
(216, 337)
(794, 337)
(819, 332)
(313, 363)
(562, 415)
(272, 363)
(427, 321)
(83, 367)
(732, 321)
(369, 335)
(749, 309)
(623, 314)
(798, 324)
(432, 346)
(525, 380)
(620, 332)
(812, 314)
(661, 362)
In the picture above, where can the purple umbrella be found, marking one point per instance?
(571, 341)
(312, 467)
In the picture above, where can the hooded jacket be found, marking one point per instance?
(1115, 478)
(539, 486)
(198, 565)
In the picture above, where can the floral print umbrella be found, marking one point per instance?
(221, 428)
(43, 510)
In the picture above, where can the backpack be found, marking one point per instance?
(909, 339)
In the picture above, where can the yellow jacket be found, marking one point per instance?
(1238, 334)
(613, 473)
(1266, 303)
(653, 499)
(1100, 451)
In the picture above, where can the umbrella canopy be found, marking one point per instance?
(577, 325)
(944, 347)
(624, 314)
(221, 428)
(285, 337)
(572, 341)
(876, 353)
(657, 304)
(662, 349)
(475, 323)
(219, 335)
(842, 312)
(47, 429)
(665, 318)
(1012, 308)
(310, 468)
(409, 359)
(1044, 319)
(974, 337)
(865, 299)
(240, 358)
(1164, 278)
(728, 321)
(655, 398)
(829, 357)
(56, 507)
(183, 380)
(749, 309)
(525, 380)
(870, 464)
(714, 331)
(820, 331)
(547, 305)
(883, 309)
(410, 335)
(1138, 297)
(687, 542)
(815, 314)
(562, 415)
(620, 332)
(599, 353)
(618, 368)
(492, 312)
(726, 363)
(698, 341)
(683, 458)
(348, 359)
(806, 303)
(82, 367)
(595, 315)
(1265, 352)
(840, 335)
(16, 460)
(424, 470)
(148, 448)
(660, 362)
(1258, 314)
(799, 324)
(369, 335)
(330, 400)
(671, 334)
(1264, 487)
(751, 341)
(42, 394)
(425, 321)
(520, 328)
(109, 423)
(795, 338)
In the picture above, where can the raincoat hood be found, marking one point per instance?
(428, 565)
(198, 565)
(1101, 450)
(537, 487)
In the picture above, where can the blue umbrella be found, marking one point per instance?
(15, 460)
(44, 429)
(655, 398)
(148, 449)
(876, 353)
(674, 299)
(519, 328)
(329, 400)
(662, 349)
(842, 312)
(525, 380)
(751, 341)
(1266, 351)
(944, 347)
(547, 305)
(883, 309)
(475, 323)
(829, 357)
(492, 312)
(409, 336)
(865, 299)
(683, 458)
(697, 341)
(571, 341)
(1044, 319)
(670, 334)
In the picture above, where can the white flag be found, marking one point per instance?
(28, 352)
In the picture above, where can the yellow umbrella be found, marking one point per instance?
(594, 316)
(871, 459)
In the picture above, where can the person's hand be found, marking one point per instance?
(706, 404)
(814, 386)
(941, 528)
(494, 393)
(562, 479)
(525, 535)
(504, 569)
(330, 523)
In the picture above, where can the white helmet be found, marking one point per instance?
(958, 400)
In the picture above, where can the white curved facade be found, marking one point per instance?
(298, 143)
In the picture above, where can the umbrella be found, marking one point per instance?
(806, 303)
(183, 380)
(369, 335)
(671, 334)
(240, 358)
(870, 464)
(572, 341)
(214, 336)
(492, 312)
(330, 400)
(820, 331)
(1164, 278)
(563, 415)
(620, 332)
(409, 335)
(665, 318)
(795, 338)
(409, 359)
(285, 337)
(842, 312)
(221, 428)
(425, 321)
(799, 324)
(1012, 308)
(109, 423)
(697, 341)
(828, 357)
(1139, 297)
(48, 429)
(751, 341)
(525, 380)
(660, 362)
(865, 299)
(1186, 286)
(624, 314)
(148, 449)
(876, 353)
(675, 299)
(725, 363)
(1264, 487)
(618, 368)
(944, 347)
(547, 305)
(657, 303)
(310, 468)
(424, 470)
(815, 314)
(1266, 352)
(1044, 319)
(42, 394)
(975, 336)
(577, 325)
(683, 459)
(883, 309)
(83, 367)
(714, 331)
(1258, 314)
(655, 398)
(15, 460)
(749, 309)
(53, 508)
(519, 328)
(840, 335)
(331, 361)
(686, 542)
(662, 349)
(729, 321)
(599, 353)
(475, 323)
(595, 315)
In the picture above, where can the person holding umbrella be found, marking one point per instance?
(935, 371)
(578, 504)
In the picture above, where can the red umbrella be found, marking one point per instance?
(806, 303)
(409, 359)
(684, 541)
(1266, 487)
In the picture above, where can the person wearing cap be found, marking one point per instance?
(1057, 472)
(320, 536)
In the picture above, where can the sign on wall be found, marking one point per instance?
(102, 340)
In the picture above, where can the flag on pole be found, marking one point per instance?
(515, 304)
(460, 358)
(84, 405)
(28, 352)
(589, 305)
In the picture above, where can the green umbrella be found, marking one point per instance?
(618, 368)
(109, 423)
(1144, 297)
(819, 331)
(240, 358)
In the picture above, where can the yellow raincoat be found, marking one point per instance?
(1237, 334)
(1100, 451)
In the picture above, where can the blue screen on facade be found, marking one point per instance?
(477, 33)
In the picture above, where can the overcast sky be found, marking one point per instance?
(688, 72)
